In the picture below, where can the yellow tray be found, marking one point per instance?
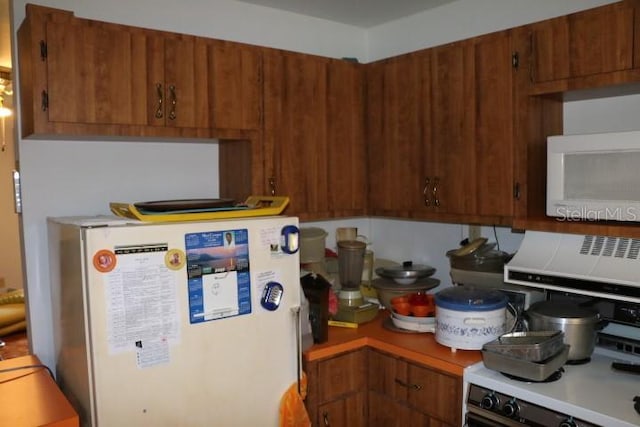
(258, 206)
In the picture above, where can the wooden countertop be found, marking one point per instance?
(30, 396)
(421, 348)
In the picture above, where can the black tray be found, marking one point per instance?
(184, 205)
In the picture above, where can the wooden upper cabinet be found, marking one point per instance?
(177, 81)
(494, 126)
(453, 162)
(440, 132)
(398, 133)
(346, 150)
(96, 74)
(472, 129)
(295, 111)
(235, 87)
(584, 43)
(82, 77)
(314, 134)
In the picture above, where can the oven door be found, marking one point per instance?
(477, 417)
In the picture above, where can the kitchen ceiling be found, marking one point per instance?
(359, 13)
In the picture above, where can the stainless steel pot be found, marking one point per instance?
(579, 324)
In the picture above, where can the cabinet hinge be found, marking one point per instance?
(43, 50)
(516, 191)
(45, 101)
(515, 60)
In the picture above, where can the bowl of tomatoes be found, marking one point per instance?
(386, 290)
(415, 304)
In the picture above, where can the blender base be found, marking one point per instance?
(357, 314)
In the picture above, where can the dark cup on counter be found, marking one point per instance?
(316, 290)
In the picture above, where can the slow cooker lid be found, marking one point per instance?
(464, 298)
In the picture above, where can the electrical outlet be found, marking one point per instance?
(474, 232)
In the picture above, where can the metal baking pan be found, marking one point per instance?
(533, 346)
(525, 369)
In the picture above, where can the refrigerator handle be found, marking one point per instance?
(296, 313)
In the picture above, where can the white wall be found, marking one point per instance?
(612, 114)
(417, 241)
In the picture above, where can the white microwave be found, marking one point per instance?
(594, 176)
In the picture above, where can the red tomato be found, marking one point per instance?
(418, 299)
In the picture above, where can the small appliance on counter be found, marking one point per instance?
(351, 305)
(478, 263)
(467, 318)
(312, 250)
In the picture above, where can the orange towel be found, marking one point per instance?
(292, 410)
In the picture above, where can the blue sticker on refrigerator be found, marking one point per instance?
(219, 280)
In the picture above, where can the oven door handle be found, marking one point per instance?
(477, 417)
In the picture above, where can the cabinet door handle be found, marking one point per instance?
(532, 57)
(436, 200)
(44, 101)
(325, 418)
(425, 192)
(407, 385)
(272, 186)
(160, 100)
(174, 101)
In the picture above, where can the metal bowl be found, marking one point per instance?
(405, 274)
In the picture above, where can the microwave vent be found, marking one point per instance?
(618, 247)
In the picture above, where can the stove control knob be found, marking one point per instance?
(568, 423)
(490, 401)
(511, 409)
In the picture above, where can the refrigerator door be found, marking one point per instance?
(177, 330)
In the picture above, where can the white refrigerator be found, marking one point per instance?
(177, 323)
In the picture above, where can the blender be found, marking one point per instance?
(351, 305)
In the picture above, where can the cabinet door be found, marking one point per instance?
(387, 374)
(453, 155)
(396, 134)
(493, 181)
(436, 394)
(235, 85)
(385, 411)
(402, 393)
(97, 73)
(584, 43)
(101, 73)
(346, 154)
(346, 412)
(337, 389)
(295, 129)
(342, 375)
(185, 82)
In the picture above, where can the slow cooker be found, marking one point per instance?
(467, 317)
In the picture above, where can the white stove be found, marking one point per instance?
(586, 395)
